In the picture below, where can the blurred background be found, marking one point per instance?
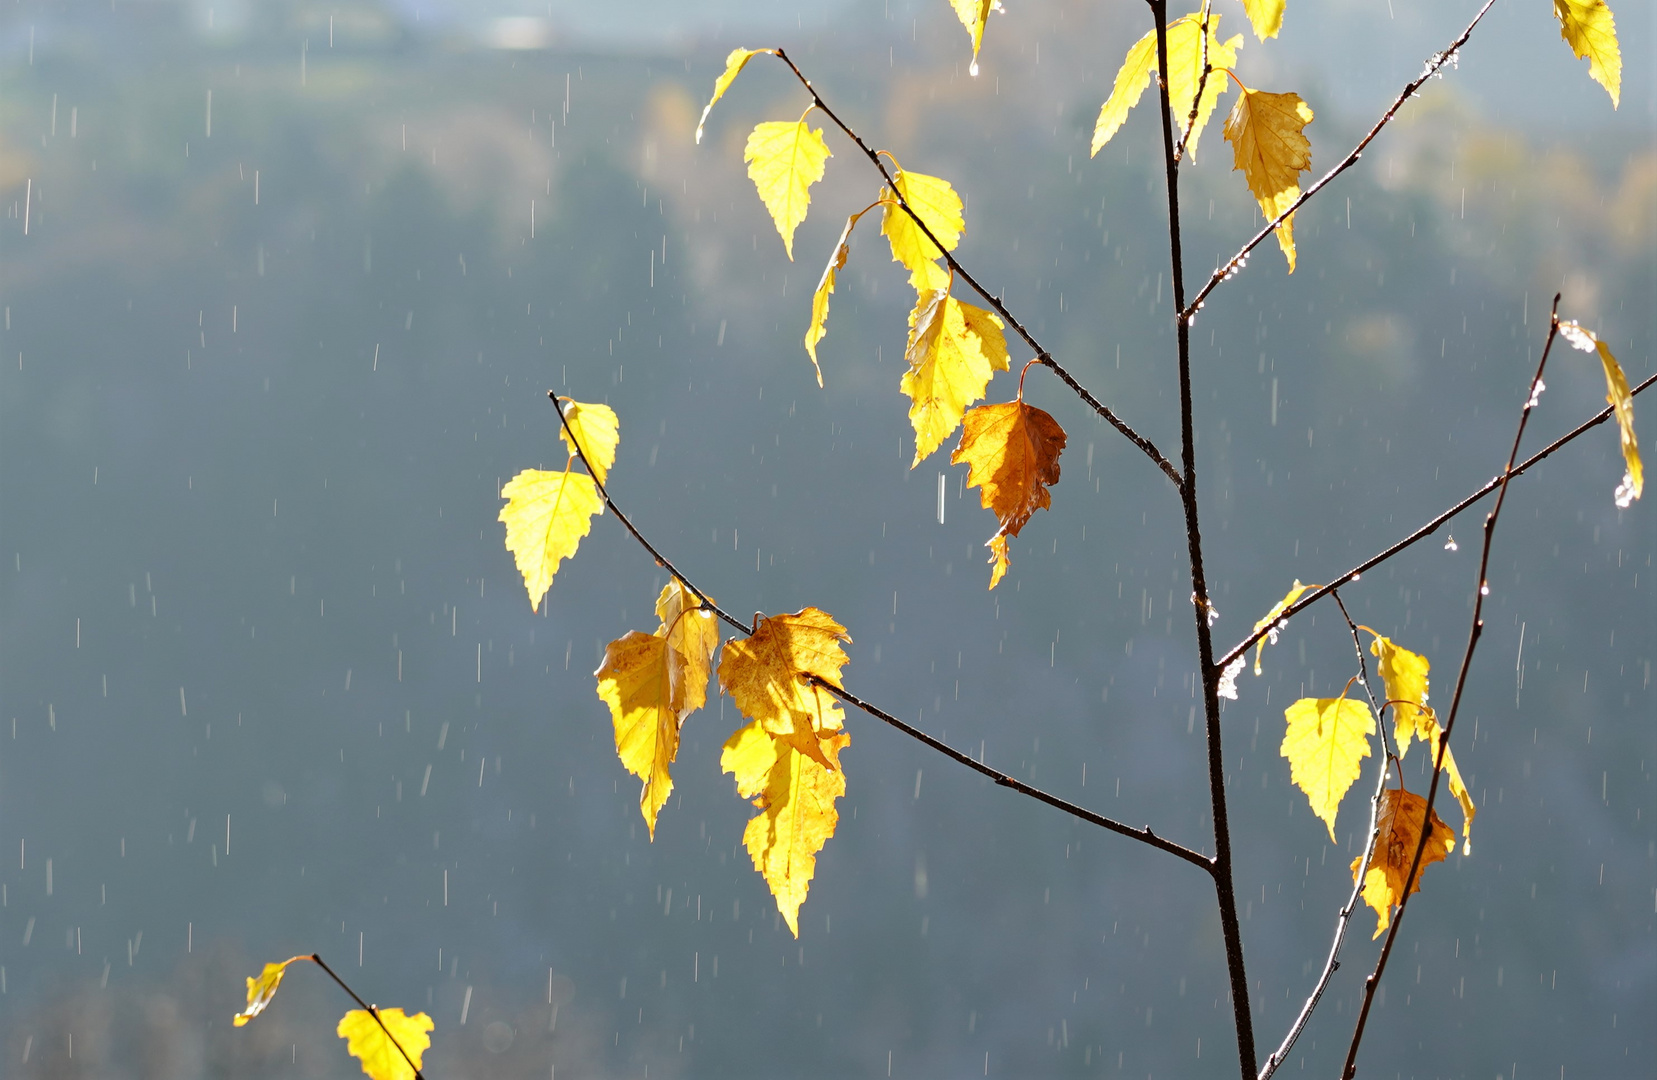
(285, 285)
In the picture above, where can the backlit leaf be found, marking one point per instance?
(1271, 617)
(546, 515)
(1325, 741)
(1185, 66)
(1268, 147)
(1404, 674)
(598, 430)
(766, 676)
(261, 990)
(1012, 455)
(1403, 815)
(825, 287)
(937, 204)
(379, 1055)
(693, 633)
(973, 14)
(1589, 29)
(734, 64)
(795, 794)
(954, 350)
(1266, 16)
(1622, 405)
(1431, 734)
(784, 160)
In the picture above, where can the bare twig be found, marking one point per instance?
(1235, 263)
(995, 302)
(1430, 527)
(1481, 590)
(371, 1011)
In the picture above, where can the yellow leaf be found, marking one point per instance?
(973, 15)
(1404, 674)
(734, 64)
(1271, 617)
(546, 515)
(1326, 739)
(1012, 455)
(1403, 815)
(1622, 405)
(262, 989)
(693, 634)
(1589, 29)
(1266, 16)
(1185, 66)
(825, 286)
(795, 794)
(1431, 733)
(1267, 146)
(379, 1055)
(765, 674)
(954, 350)
(784, 160)
(937, 204)
(599, 431)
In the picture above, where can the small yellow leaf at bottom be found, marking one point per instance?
(260, 991)
(1403, 815)
(380, 1057)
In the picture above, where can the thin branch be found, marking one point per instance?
(1430, 527)
(1481, 590)
(371, 1011)
(1235, 263)
(1344, 919)
(1143, 835)
(1144, 444)
(1202, 84)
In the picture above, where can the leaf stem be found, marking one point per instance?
(316, 959)
(1482, 589)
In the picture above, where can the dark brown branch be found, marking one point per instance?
(1235, 263)
(371, 1011)
(1144, 444)
(1430, 527)
(1144, 835)
(1481, 589)
(1224, 886)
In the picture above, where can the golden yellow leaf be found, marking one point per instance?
(937, 204)
(1012, 455)
(546, 515)
(973, 15)
(784, 160)
(597, 428)
(765, 674)
(1622, 405)
(825, 286)
(1403, 815)
(1589, 29)
(693, 634)
(734, 64)
(1185, 66)
(1404, 674)
(379, 1055)
(261, 990)
(1431, 733)
(1271, 617)
(954, 350)
(1268, 147)
(1325, 741)
(1266, 16)
(795, 794)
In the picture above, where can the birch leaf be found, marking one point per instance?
(1622, 406)
(784, 160)
(380, 1058)
(1012, 455)
(1403, 816)
(260, 991)
(1590, 31)
(1404, 674)
(693, 635)
(1265, 132)
(734, 64)
(546, 515)
(1266, 16)
(825, 287)
(1185, 66)
(597, 429)
(1271, 617)
(795, 793)
(766, 676)
(1325, 741)
(973, 15)
(1431, 735)
(954, 350)
(937, 204)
